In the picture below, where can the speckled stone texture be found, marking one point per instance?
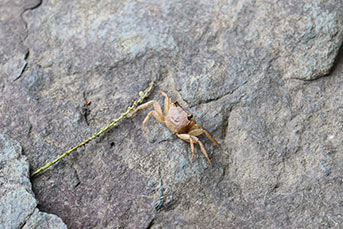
(264, 77)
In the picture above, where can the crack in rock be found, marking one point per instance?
(17, 203)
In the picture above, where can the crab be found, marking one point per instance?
(179, 121)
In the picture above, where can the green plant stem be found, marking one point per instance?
(114, 123)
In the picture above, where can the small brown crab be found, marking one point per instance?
(179, 121)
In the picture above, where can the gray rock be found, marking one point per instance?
(264, 77)
(43, 220)
(17, 202)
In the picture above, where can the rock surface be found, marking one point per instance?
(264, 77)
(17, 202)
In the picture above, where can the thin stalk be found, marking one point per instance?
(114, 123)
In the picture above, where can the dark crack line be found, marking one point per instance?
(28, 9)
(338, 59)
(225, 124)
(24, 67)
(27, 218)
(29, 131)
(151, 223)
(222, 96)
(77, 177)
(85, 110)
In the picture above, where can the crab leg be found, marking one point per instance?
(189, 138)
(167, 102)
(198, 129)
(156, 105)
(156, 115)
(192, 147)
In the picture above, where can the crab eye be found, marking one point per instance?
(176, 104)
(189, 117)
